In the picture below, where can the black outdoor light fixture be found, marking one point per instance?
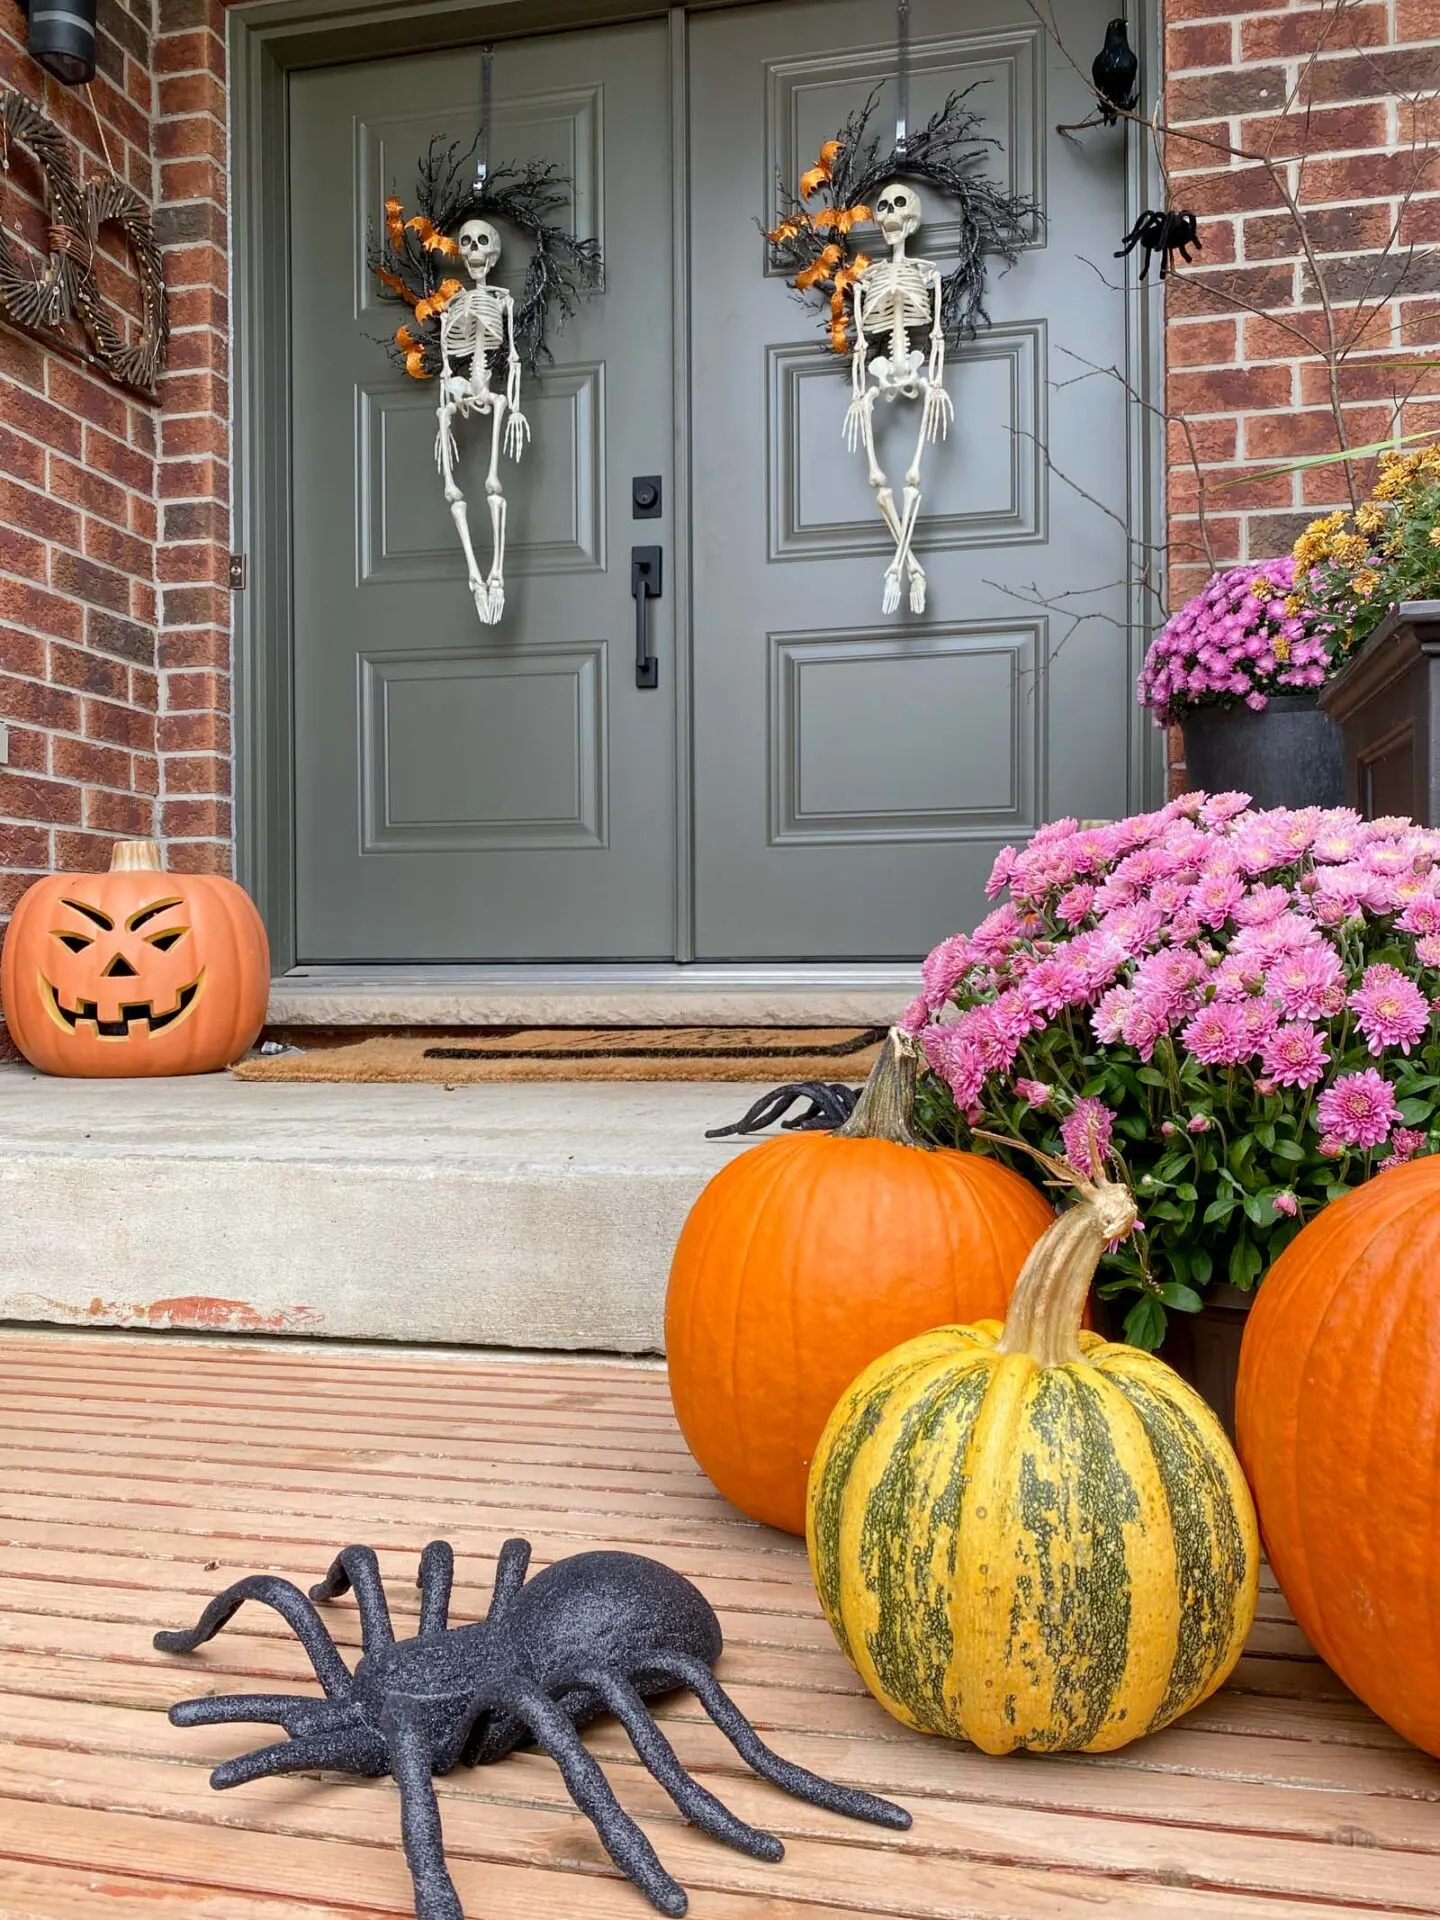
(62, 38)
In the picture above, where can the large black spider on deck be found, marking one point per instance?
(596, 1633)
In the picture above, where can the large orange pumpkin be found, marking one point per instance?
(135, 971)
(1337, 1416)
(810, 1256)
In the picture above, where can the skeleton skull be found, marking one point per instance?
(479, 245)
(897, 212)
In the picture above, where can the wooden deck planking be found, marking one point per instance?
(139, 1476)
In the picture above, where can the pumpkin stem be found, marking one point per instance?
(136, 856)
(1049, 1298)
(886, 1107)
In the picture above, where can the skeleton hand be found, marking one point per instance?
(517, 432)
(939, 412)
(855, 420)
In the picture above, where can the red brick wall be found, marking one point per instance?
(1333, 83)
(114, 614)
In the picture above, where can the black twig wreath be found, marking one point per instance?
(413, 258)
(815, 248)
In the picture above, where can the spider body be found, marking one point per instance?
(1162, 233)
(595, 1633)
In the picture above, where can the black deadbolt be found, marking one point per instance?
(645, 496)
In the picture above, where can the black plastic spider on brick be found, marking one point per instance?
(1164, 233)
(595, 1633)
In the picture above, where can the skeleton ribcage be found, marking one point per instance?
(894, 293)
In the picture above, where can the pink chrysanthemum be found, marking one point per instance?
(957, 1061)
(1390, 1009)
(1034, 1093)
(1427, 951)
(1358, 1111)
(1294, 1055)
(1215, 898)
(1405, 1143)
(1285, 1203)
(946, 967)
(1220, 807)
(1306, 980)
(1216, 1036)
(1053, 984)
(1087, 1132)
(1075, 903)
(1262, 906)
(1422, 915)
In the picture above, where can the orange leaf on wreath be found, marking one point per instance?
(811, 179)
(415, 363)
(819, 269)
(395, 284)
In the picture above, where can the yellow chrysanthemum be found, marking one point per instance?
(1294, 605)
(1434, 536)
(1282, 649)
(1349, 548)
(1365, 582)
(1370, 518)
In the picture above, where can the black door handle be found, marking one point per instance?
(646, 579)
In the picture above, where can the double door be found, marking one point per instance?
(807, 777)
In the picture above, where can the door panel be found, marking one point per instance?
(468, 792)
(855, 773)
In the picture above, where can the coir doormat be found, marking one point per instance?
(583, 1053)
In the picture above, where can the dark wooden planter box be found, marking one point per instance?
(1387, 704)
(1204, 1347)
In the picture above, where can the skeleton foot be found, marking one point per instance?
(917, 590)
(484, 602)
(495, 590)
(891, 600)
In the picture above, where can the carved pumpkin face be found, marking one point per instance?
(134, 972)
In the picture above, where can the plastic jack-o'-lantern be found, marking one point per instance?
(135, 971)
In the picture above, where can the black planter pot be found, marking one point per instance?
(1204, 1347)
(1289, 754)
(1387, 703)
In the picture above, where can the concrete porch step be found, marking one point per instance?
(526, 1216)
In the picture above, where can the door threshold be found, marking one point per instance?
(619, 994)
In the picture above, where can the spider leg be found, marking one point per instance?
(423, 1836)
(686, 1671)
(288, 1710)
(592, 1793)
(697, 1803)
(358, 1567)
(312, 1751)
(437, 1576)
(510, 1569)
(294, 1609)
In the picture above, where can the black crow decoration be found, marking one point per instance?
(1114, 72)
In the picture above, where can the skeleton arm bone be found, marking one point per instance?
(939, 408)
(517, 427)
(859, 377)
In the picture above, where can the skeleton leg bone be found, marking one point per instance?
(445, 460)
(934, 419)
(885, 501)
(495, 496)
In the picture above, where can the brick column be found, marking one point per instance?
(193, 478)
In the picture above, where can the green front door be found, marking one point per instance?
(509, 793)
(466, 792)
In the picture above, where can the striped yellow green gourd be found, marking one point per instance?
(1026, 1536)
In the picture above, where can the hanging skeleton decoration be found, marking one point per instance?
(890, 301)
(479, 340)
(896, 317)
(478, 326)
